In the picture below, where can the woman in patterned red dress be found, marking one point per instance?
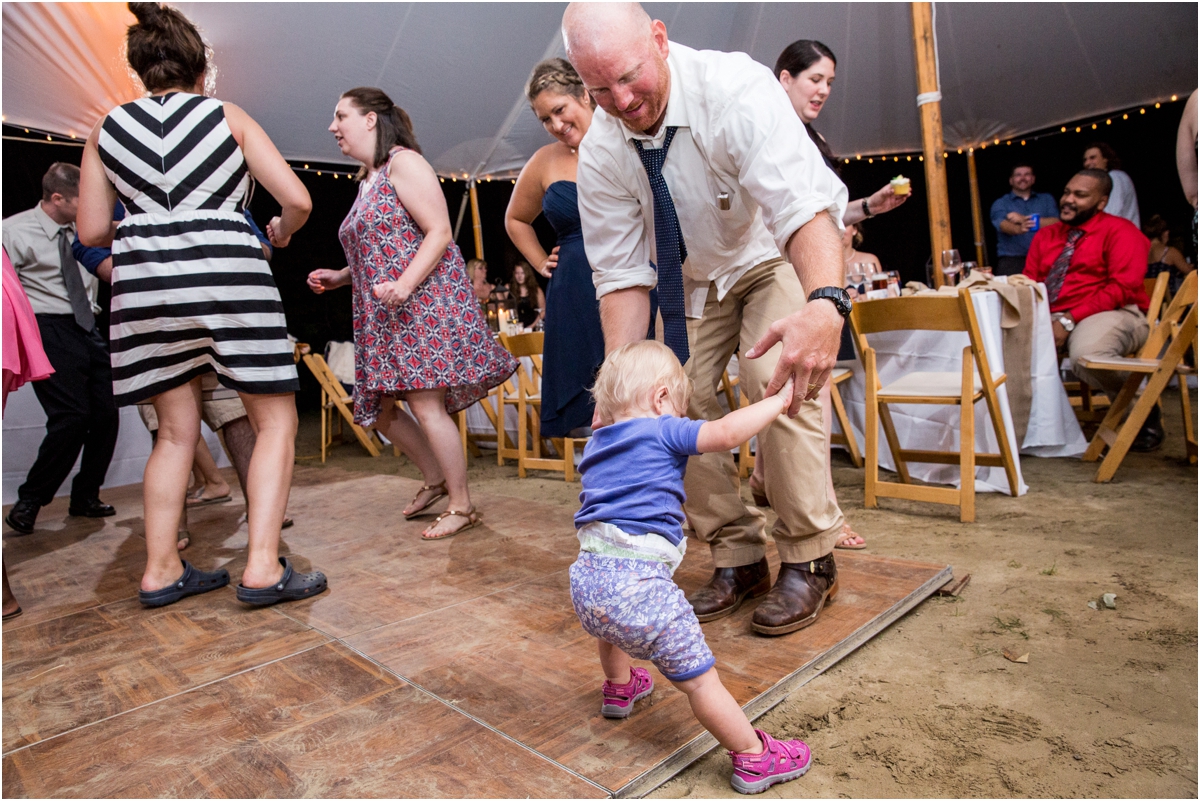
(419, 333)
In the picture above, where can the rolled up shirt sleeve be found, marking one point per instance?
(614, 231)
(776, 161)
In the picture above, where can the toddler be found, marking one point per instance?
(631, 540)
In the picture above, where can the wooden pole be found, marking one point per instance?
(976, 210)
(931, 136)
(475, 221)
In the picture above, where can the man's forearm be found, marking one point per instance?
(815, 251)
(624, 316)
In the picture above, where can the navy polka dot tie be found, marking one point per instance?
(668, 238)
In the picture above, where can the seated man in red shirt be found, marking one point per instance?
(1092, 264)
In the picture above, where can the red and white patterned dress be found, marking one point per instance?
(438, 338)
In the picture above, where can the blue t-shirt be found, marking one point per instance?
(1038, 203)
(633, 475)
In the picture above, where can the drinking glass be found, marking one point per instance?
(856, 274)
(969, 268)
(893, 283)
(951, 265)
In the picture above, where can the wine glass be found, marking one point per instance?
(951, 265)
(856, 274)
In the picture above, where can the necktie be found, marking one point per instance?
(76, 294)
(668, 239)
(1058, 272)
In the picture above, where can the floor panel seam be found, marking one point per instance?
(165, 698)
(477, 720)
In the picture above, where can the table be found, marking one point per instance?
(1052, 430)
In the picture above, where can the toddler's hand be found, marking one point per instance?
(785, 393)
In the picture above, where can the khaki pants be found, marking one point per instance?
(1103, 336)
(793, 450)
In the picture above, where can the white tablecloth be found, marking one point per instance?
(1053, 429)
(25, 426)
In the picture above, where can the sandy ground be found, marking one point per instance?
(1106, 705)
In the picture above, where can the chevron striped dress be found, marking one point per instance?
(191, 291)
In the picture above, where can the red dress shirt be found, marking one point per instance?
(1106, 270)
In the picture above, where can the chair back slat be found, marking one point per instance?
(1166, 328)
(1156, 290)
(523, 344)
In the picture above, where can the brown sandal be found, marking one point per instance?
(439, 492)
(473, 520)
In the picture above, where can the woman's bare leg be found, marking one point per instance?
(164, 486)
(399, 427)
(268, 483)
(429, 406)
(213, 485)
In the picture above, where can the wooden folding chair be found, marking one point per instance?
(1176, 332)
(1156, 290)
(334, 397)
(528, 401)
(976, 382)
(846, 437)
(1091, 406)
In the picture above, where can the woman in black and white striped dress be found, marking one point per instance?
(193, 296)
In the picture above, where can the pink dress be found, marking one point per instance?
(24, 359)
(438, 338)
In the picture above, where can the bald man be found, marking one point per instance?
(695, 175)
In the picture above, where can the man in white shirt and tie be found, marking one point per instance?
(78, 398)
(740, 183)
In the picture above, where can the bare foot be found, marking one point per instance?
(425, 498)
(451, 524)
(850, 540)
(259, 578)
(208, 492)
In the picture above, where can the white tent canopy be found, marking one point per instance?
(459, 68)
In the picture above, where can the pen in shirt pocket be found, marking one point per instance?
(723, 201)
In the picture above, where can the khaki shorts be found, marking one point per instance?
(215, 413)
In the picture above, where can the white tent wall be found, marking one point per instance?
(459, 68)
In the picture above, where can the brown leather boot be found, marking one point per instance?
(800, 593)
(727, 588)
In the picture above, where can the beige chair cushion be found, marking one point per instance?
(936, 385)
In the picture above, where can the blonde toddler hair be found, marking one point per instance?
(632, 373)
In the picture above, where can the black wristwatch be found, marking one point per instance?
(839, 297)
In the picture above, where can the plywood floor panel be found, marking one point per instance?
(424, 661)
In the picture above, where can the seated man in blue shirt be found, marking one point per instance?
(1012, 219)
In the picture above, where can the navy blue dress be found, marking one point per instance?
(574, 348)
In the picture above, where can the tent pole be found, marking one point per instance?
(475, 221)
(462, 210)
(976, 210)
(929, 103)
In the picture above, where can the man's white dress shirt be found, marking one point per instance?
(740, 144)
(1122, 202)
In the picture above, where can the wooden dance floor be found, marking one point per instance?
(445, 669)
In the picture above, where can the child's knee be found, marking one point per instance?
(689, 686)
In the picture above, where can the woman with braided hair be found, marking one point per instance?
(574, 343)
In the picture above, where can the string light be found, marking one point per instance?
(997, 142)
(870, 161)
(1063, 129)
(1143, 111)
(1158, 105)
(1022, 143)
(920, 158)
(1174, 98)
(1093, 126)
(1124, 116)
(1108, 122)
(908, 158)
